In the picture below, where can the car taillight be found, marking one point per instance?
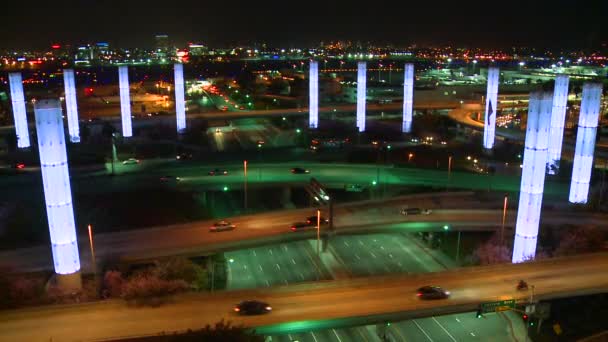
(237, 309)
(293, 228)
(20, 166)
(419, 294)
(268, 308)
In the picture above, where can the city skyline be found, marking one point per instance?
(134, 24)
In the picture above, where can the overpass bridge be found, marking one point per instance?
(312, 306)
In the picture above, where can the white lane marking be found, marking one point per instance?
(289, 335)
(293, 261)
(361, 242)
(270, 251)
(336, 333)
(424, 332)
(301, 276)
(444, 329)
(357, 256)
(314, 337)
(346, 244)
(372, 253)
(254, 254)
(382, 247)
(245, 266)
(267, 283)
(390, 255)
(284, 248)
(472, 334)
(279, 267)
(260, 266)
(457, 320)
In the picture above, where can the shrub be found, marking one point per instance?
(150, 286)
(112, 283)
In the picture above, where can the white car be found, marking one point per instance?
(415, 211)
(130, 161)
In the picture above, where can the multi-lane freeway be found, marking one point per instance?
(313, 306)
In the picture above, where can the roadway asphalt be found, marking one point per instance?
(272, 265)
(312, 306)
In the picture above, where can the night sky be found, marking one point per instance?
(557, 23)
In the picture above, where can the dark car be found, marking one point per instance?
(221, 226)
(183, 156)
(252, 307)
(313, 220)
(299, 170)
(298, 226)
(218, 172)
(169, 179)
(432, 292)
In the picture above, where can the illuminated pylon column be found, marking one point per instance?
(585, 142)
(408, 97)
(313, 95)
(361, 92)
(19, 113)
(180, 101)
(125, 100)
(558, 118)
(71, 106)
(57, 191)
(491, 108)
(533, 176)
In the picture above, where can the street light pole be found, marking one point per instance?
(93, 259)
(504, 217)
(245, 184)
(449, 172)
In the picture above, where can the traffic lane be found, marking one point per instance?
(325, 300)
(283, 264)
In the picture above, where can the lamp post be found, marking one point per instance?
(449, 172)
(245, 184)
(504, 217)
(93, 259)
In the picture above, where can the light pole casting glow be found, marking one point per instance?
(19, 113)
(361, 92)
(313, 95)
(71, 105)
(180, 105)
(57, 190)
(558, 117)
(533, 176)
(408, 97)
(491, 108)
(125, 100)
(585, 142)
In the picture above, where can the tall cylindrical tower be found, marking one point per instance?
(180, 105)
(313, 95)
(585, 142)
(361, 92)
(533, 176)
(57, 192)
(19, 113)
(408, 97)
(558, 118)
(71, 105)
(125, 100)
(491, 108)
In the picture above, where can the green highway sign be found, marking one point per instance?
(501, 305)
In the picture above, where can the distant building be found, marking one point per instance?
(162, 47)
(198, 49)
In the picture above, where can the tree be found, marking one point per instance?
(580, 240)
(220, 332)
(492, 252)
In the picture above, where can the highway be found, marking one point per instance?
(195, 239)
(314, 306)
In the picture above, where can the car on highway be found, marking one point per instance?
(299, 170)
(252, 307)
(313, 220)
(130, 161)
(169, 179)
(432, 292)
(300, 226)
(218, 172)
(415, 211)
(222, 226)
